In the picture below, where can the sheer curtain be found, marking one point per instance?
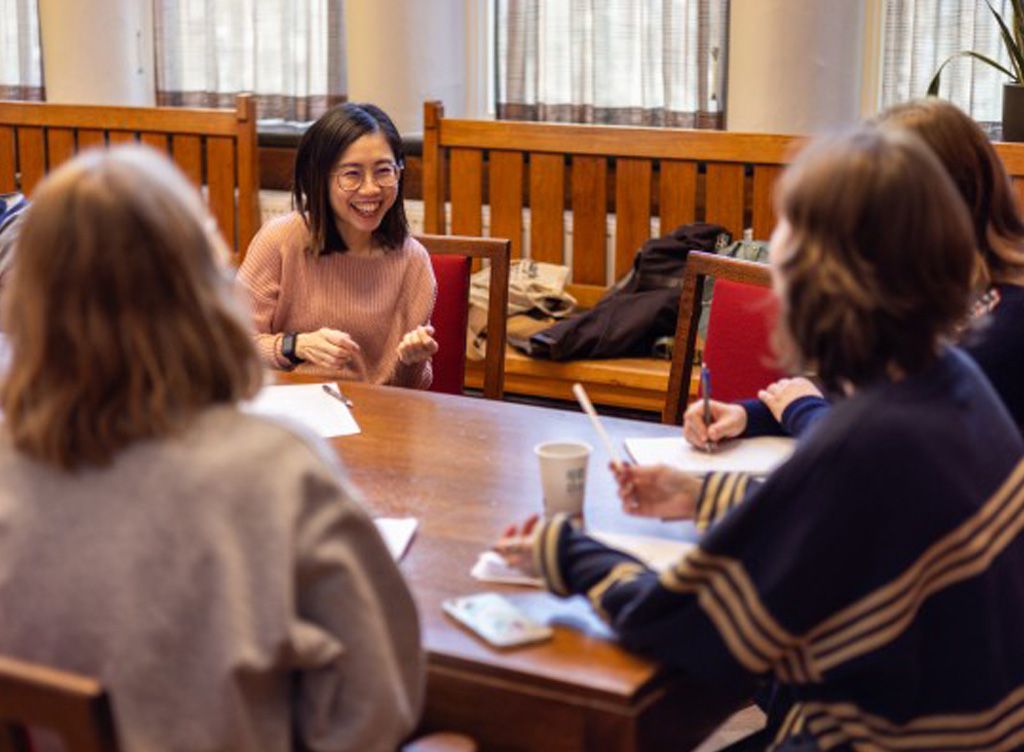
(920, 34)
(635, 62)
(21, 63)
(289, 52)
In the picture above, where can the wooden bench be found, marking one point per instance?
(215, 148)
(596, 173)
(624, 176)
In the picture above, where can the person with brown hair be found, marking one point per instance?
(875, 577)
(212, 569)
(338, 287)
(994, 336)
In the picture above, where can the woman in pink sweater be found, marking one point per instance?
(339, 287)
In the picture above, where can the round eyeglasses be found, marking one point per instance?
(384, 175)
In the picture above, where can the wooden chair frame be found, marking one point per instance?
(496, 251)
(73, 706)
(700, 266)
(213, 147)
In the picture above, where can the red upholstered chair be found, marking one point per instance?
(738, 347)
(452, 256)
(451, 314)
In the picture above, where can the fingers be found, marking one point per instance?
(417, 346)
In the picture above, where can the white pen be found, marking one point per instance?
(588, 408)
(334, 392)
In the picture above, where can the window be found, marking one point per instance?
(21, 66)
(290, 53)
(920, 34)
(635, 62)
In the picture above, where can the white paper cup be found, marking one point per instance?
(563, 475)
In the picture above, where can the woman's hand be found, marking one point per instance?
(784, 392)
(417, 346)
(516, 546)
(728, 421)
(656, 491)
(327, 348)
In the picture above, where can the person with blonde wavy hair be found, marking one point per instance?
(874, 579)
(212, 569)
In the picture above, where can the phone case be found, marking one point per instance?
(496, 620)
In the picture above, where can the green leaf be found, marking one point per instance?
(933, 87)
(1016, 58)
(1018, 23)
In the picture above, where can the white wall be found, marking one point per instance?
(795, 66)
(98, 52)
(403, 52)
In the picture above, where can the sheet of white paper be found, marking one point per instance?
(491, 567)
(397, 533)
(758, 455)
(307, 404)
(657, 553)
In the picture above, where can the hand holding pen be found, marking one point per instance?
(712, 421)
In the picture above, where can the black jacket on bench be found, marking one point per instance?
(640, 309)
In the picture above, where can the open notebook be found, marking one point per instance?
(758, 455)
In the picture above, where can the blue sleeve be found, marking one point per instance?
(801, 414)
(760, 421)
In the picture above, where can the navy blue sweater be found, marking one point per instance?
(995, 341)
(878, 575)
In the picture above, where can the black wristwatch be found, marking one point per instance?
(288, 343)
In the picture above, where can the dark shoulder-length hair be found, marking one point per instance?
(121, 317)
(320, 148)
(979, 175)
(876, 269)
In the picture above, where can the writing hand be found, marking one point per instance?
(656, 491)
(728, 420)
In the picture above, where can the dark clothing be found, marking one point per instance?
(995, 341)
(877, 576)
(639, 310)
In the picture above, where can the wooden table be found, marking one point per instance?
(465, 468)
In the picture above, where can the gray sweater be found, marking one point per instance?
(224, 585)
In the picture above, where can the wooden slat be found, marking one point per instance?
(31, 158)
(60, 146)
(763, 211)
(632, 210)
(589, 220)
(506, 198)
(121, 137)
(724, 197)
(625, 141)
(157, 140)
(678, 194)
(249, 218)
(547, 197)
(433, 169)
(199, 121)
(220, 180)
(467, 192)
(187, 155)
(7, 160)
(89, 138)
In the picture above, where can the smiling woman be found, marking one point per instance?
(339, 287)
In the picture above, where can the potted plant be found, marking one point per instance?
(1013, 90)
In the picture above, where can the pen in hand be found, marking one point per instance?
(705, 388)
(334, 392)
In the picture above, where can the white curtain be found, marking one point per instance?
(920, 34)
(636, 62)
(290, 53)
(21, 65)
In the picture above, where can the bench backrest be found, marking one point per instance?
(596, 172)
(215, 148)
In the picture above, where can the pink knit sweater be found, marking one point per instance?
(375, 300)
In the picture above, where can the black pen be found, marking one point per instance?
(334, 392)
(705, 388)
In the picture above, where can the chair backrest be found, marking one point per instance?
(74, 707)
(496, 251)
(215, 148)
(738, 349)
(451, 316)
